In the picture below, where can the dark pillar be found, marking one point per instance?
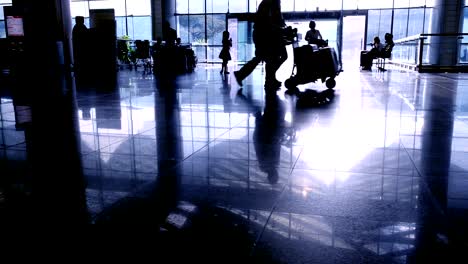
(447, 18)
(44, 84)
(47, 28)
(162, 10)
(156, 18)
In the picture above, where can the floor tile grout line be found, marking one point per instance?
(432, 199)
(273, 209)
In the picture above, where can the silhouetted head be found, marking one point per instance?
(225, 34)
(388, 37)
(159, 40)
(79, 20)
(312, 25)
(178, 41)
(377, 40)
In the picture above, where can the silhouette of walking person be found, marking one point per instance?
(269, 45)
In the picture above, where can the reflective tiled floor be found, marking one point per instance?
(375, 173)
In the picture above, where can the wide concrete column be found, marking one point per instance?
(43, 89)
(447, 18)
(162, 10)
(48, 28)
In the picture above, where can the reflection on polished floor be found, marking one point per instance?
(377, 174)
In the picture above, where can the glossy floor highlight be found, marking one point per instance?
(375, 172)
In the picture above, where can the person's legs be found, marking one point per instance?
(246, 70)
(226, 67)
(223, 67)
(271, 67)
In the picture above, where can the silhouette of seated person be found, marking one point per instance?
(386, 52)
(80, 35)
(313, 36)
(268, 135)
(368, 56)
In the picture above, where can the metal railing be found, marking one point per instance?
(443, 50)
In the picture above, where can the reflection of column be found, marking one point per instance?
(169, 143)
(436, 148)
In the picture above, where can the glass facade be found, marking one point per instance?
(406, 22)
(133, 17)
(201, 22)
(464, 41)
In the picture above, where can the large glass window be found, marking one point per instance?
(379, 23)
(402, 3)
(117, 5)
(197, 29)
(79, 9)
(139, 8)
(350, 4)
(207, 38)
(139, 27)
(287, 6)
(416, 21)
(216, 24)
(2, 29)
(121, 27)
(465, 21)
(417, 3)
(464, 41)
(137, 24)
(183, 28)
(400, 23)
(311, 5)
(372, 4)
(430, 3)
(238, 6)
(196, 6)
(373, 25)
(329, 5)
(182, 6)
(253, 5)
(216, 6)
(428, 18)
(300, 5)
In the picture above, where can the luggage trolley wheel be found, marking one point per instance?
(330, 83)
(290, 84)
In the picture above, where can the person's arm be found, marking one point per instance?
(319, 35)
(307, 36)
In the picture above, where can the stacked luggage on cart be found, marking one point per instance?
(312, 64)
